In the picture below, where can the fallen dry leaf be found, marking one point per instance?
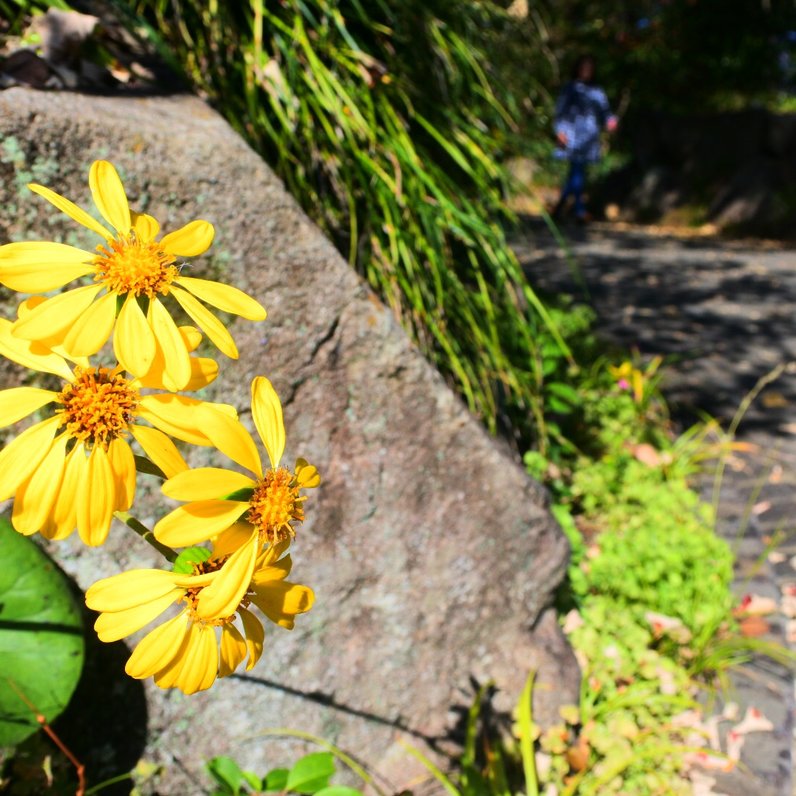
(663, 625)
(572, 621)
(753, 721)
(774, 400)
(761, 508)
(735, 742)
(730, 711)
(702, 784)
(789, 606)
(710, 761)
(646, 454)
(578, 754)
(755, 605)
(754, 626)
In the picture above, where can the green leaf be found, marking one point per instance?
(276, 779)
(226, 772)
(338, 790)
(41, 638)
(565, 392)
(144, 465)
(244, 494)
(183, 565)
(311, 773)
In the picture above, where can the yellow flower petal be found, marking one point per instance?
(222, 597)
(23, 455)
(189, 241)
(272, 553)
(35, 497)
(119, 624)
(168, 675)
(31, 355)
(39, 266)
(203, 372)
(175, 415)
(191, 336)
(280, 601)
(230, 437)
(255, 636)
(233, 650)
(205, 482)
(234, 537)
(133, 340)
(278, 570)
(109, 196)
(158, 648)
(177, 363)
(267, 414)
(56, 314)
(212, 327)
(97, 497)
(224, 297)
(91, 330)
(19, 402)
(201, 661)
(64, 511)
(307, 475)
(129, 589)
(123, 468)
(195, 522)
(146, 228)
(160, 449)
(71, 209)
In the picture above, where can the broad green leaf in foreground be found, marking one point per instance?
(41, 637)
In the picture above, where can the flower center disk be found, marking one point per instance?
(191, 596)
(275, 504)
(134, 266)
(98, 406)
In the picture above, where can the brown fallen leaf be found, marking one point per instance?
(774, 400)
(754, 626)
(578, 754)
(753, 721)
(755, 605)
(646, 454)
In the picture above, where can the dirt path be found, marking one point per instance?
(724, 316)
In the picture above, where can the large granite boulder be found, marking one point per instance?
(432, 554)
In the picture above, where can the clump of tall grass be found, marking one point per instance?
(383, 120)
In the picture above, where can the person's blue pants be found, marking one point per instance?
(575, 186)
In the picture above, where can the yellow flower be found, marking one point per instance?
(187, 651)
(132, 270)
(75, 467)
(271, 502)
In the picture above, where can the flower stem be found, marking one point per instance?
(145, 534)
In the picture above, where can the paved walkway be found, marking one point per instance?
(724, 316)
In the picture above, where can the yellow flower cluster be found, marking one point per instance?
(74, 468)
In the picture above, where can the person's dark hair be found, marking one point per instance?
(584, 60)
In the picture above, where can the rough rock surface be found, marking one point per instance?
(432, 555)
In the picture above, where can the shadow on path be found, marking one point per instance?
(723, 315)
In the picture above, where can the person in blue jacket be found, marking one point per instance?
(582, 112)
